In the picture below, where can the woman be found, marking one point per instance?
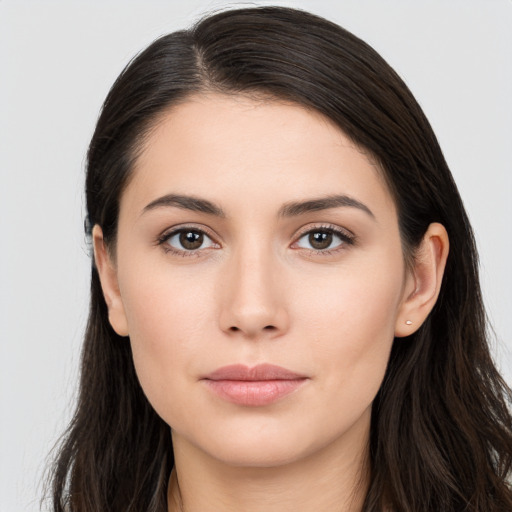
(285, 307)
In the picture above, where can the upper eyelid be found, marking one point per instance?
(303, 230)
(169, 232)
(326, 227)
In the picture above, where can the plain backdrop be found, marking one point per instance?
(57, 62)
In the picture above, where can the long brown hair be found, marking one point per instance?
(441, 429)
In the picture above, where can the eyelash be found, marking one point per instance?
(185, 229)
(346, 238)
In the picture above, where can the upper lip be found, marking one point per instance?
(259, 372)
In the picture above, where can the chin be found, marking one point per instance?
(259, 455)
(266, 445)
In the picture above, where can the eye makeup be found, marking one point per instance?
(187, 241)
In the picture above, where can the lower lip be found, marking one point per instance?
(254, 393)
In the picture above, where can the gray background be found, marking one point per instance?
(57, 62)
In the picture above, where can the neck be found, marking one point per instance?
(334, 479)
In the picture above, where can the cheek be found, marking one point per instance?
(167, 321)
(351, 324)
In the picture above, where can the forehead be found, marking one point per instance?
(267, 151)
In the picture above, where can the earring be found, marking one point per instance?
(408, 322)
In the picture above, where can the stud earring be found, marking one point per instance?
(408, 322)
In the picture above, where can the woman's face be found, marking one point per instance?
(255, 233)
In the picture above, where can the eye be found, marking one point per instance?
(324, 239)
(186, 240)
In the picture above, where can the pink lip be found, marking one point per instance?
(257, 386)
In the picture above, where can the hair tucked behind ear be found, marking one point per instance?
(117, 454)
(441, 433)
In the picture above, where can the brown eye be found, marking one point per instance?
(191, 240)
(324, 239)
(320, 239)
(185, 241)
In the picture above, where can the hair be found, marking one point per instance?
(441, 428)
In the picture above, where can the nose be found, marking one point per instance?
(253, 301)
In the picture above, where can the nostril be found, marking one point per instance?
(266, 328)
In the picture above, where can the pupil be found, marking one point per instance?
(191, 239)
(320, 239)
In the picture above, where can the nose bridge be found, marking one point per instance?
(253, 301)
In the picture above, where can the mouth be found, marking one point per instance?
(258, 386)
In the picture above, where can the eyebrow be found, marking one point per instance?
(322, 203)
(195, 204)
(291, 209)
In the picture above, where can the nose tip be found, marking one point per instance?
(253, 323)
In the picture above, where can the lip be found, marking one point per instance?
(260, 385)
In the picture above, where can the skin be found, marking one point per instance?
(257, 291)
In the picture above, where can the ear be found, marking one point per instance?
(423, 281)
(108, 278)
